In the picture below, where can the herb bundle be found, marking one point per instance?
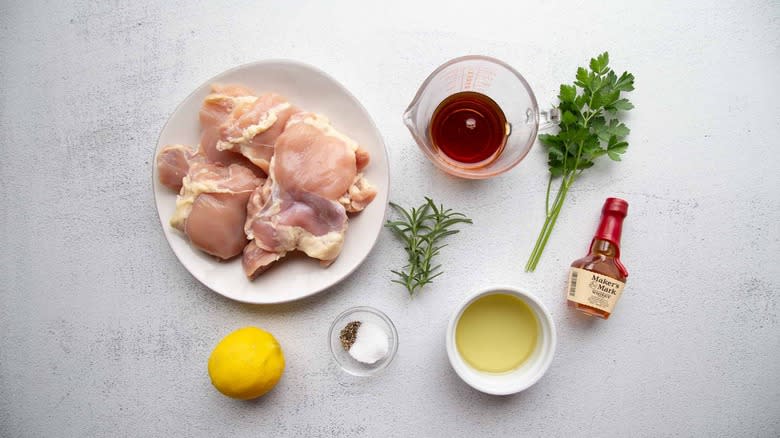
(421, 229)
(589, 129)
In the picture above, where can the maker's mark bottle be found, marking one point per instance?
(596, 281)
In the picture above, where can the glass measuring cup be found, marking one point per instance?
(498, 81)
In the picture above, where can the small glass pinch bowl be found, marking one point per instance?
(366, 315)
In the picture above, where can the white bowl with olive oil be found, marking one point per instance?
(501, 340)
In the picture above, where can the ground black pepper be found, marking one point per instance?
(349, 334)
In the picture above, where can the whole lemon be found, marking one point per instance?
(246, 363)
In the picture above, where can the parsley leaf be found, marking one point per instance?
(589, 128)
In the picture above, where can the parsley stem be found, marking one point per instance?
(554, 218)
(549, 222)
(547, 198)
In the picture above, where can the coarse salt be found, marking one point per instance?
(370, 344)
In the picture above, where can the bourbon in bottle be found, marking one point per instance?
(596, 281)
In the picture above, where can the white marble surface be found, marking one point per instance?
(103, 333)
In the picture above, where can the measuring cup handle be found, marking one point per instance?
(549, 118)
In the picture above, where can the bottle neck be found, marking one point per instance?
(604, 247)
(609, 250)
(606, 242)
(610, 228)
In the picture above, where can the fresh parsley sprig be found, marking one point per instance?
(589, 128)
(421, 230)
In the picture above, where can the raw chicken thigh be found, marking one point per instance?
(242, 125)
(213, 114)
(313, 177)
(211, 207)
(173, 163)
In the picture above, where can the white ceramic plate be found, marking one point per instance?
(294, 277)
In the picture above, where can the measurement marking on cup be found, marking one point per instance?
(468, 82)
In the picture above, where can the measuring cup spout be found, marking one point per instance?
(408, 117)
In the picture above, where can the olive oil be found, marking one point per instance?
(497, 333)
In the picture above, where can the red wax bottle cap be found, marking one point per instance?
(615, 205)
(611, 226)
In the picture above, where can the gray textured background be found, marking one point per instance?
(103, 333)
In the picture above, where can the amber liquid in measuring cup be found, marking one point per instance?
(469, 128)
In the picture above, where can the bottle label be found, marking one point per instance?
(595, 290)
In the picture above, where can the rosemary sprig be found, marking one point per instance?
(421, 230)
